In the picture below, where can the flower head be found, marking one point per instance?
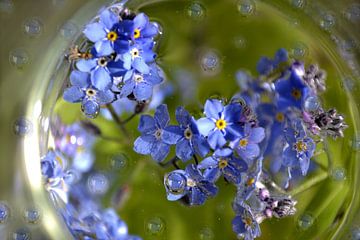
(266, 65)
(245, 224)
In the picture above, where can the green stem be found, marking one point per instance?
(171, 162)
(117, 119)
(309, 184)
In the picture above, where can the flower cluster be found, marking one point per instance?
(233, 138)
(116, 62)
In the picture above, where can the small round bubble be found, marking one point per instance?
(299, 50)
(246, 7)
(355, 233)
(6, 6)
(175, 182)
(31, 215)
(68, 30)
(4, 213)
(18, 57)
(210, 62)
(33, 27)
(195, 11)
(206, 233)
(22, 127)
(305, 221)
(311, 104)
(119, 161)
(338, 174)
(98, 184)
(155, 226)
(21, 234)
(352, 13)
(327, 22)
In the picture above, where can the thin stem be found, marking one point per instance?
(196, 160)
(175, 165)
(170, 162)
(116, 118)
(129, 118)
(309, 184)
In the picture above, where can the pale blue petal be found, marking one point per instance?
(147, 124)
(103, 48)
(95, 32)
(172, 134)
(183, 150)
(101, 79)
(161, 116)
(80, 79)
(257, 134)
(142, 147)
(86, 65)
(205, 125)
(216, 140)
(143, 91)
(159, 151)
(105, 97)
(140, 65)
(108, 18)
(73, 94)
(213, 108)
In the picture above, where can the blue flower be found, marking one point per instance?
(160, 93)
(99, 73)
(266, 65)
(249, 180)
(152, 140)
(143, 29)
(190, 184)
(121, 105)
(141, 85)
(186, 136)
(247, 145)
(220, 123)
(292, 91)
(223, 162)
(300, 148)
(105, 36)
(245, 224)
(83, 91)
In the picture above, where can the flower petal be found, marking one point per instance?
(213, 108)
(80, 79)
(105, 97)
(159, 151)
(232, 113)
(161, 116)
(140, 21)
(86, 65)
(257, 134)
(216, 139)
(101, 79)
(73, 94)
(108, 18)
(103, 48)
(172, 134)
(200, 145)
(90, 108)
(95, 32)
(147, 124)
(205, 125)
(140, 65)
(143, 91)
(182, 116)
(184, 150)
(142, 147)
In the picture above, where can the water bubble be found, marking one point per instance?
(175, 182)
(6, 6)
(33, 27)
(338, 174)
(246, 7)
(327, 22)
(352, 13)
(298, 3)
(98, 184)
(305, 221)
(68, 30)
(206, 234)
(356, 142)
(18, 57)
(355, 233)
(196, 11)
(31, 215)
(210, 62)
(348, 84)
(4, 213)
(311, 104)
(21, 234)
(155, 226)
(299, 50)
(90, 109)
(119, 162)
(22, 127)
(240, 42)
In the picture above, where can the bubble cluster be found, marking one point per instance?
(31, 215)
(210, 62)
(195, 11)
(4, 213)
(18, 57)
(327, 22)
(155, 226)
(68, 30)
(21, 234)
(98, 184)
(246, 7)
(305, 221)
(206, 234)
(338, 174)
(22, 127)
(33, 27)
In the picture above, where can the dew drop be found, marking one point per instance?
(327, 22)
(311, 104)
(21, 234)
(175, 183)
(119, 162)
(305, 221)
(338, 174)
(6, 6)
(68, 30)
(352, 13)
(195, 11)
(298, 3)
(299, 50)
(4, 213)
(90, 109)
(206, 234)
(210, 62)
(22, 127)
(98, 184)
(155, 226)
(18, 57)
(33, 27)
(246, 7)
(32, 215)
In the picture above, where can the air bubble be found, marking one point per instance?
(338, 174)
(6, 6)
(327, 22)
(355, 233)
(356, 143)
(352, 13)
(240, 42)
(68, 30)
(210, 62)
(22, 127)
(18, 57)
(298, 3)
(196, 11)
(348, 84)
(4, 213)
(246, 7)
(206, 234)
(32, 215)
(119, 162)
(21, 234)
(305, 221)
(98, 184)
(311, 104)
(299, 50)
(33, 27)
(155, 226)
(175, 182)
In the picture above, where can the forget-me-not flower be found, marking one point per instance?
(245, 224)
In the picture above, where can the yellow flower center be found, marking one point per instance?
(243, 142)
(296, 93)
(221, 124)
(247, 221)
(138, 78)
(223, 163)
(280, 117)
(188, 133)
(102, 62)
(250, 181)
(300, 146)
(190, 182)
(134, 52)
(90, 92)
(112, 36)
(137, 33)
